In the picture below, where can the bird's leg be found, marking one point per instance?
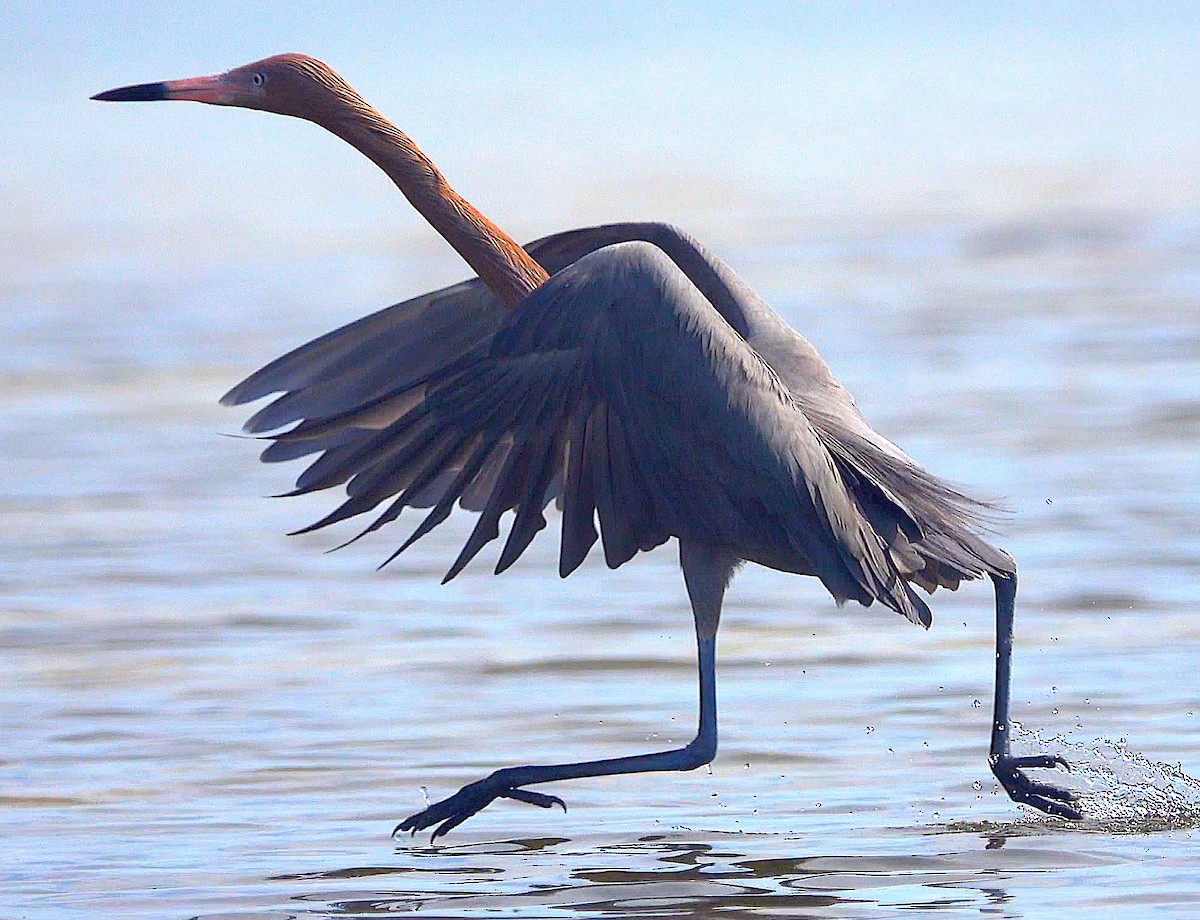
(509, 782)
(706, 573)
(1009, 770)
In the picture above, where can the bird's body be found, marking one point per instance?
(695, 413)
(629, 374)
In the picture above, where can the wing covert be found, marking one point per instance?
(627, 388)
(620, 385)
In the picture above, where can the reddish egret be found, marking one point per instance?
(629, 374)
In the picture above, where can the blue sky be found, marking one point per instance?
(582, 111)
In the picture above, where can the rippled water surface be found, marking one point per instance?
(205, 718)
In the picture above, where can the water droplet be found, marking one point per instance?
(975, 704)
(870, 728)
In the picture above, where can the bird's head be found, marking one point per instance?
(287, 84)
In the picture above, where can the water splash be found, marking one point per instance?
(1120, 790)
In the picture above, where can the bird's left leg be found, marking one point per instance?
(706, 572)
(1009, 770)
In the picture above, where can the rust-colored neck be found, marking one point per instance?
(497, 258)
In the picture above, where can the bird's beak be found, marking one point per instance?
(213, 89)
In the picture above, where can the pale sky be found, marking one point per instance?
(582, 112)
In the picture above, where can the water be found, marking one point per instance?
(204, 718)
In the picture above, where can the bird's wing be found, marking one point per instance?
(943, 546)
(396, 348)
(619, 385)
(404, 344)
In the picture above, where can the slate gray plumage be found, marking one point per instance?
(619, 387)
(630, 374)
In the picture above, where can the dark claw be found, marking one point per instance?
(541, 800)
(1020, 788)
(470, 800)
(1040, 760)
(446, 826)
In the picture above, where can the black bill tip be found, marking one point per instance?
(143, 92)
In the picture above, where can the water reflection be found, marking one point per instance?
(202, 717)
(674, 876)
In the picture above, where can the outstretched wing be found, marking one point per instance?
(348, 387)
(393, 349)
(618, 385)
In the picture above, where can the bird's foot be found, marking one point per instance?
(469, 800)
(1053, 800)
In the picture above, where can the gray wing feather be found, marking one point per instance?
(648, 388)
(395, 346)
(688, 433)
(387, 351)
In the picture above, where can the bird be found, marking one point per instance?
(626, 374)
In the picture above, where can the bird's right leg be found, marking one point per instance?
(1007, 768)
(706, 572)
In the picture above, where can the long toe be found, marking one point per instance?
(446, 826)
(1047, 761)
(1053, 800)
(458, 807)
(449, 817)
(449, 813)
(541, 800)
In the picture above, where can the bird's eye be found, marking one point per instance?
(258, 79)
